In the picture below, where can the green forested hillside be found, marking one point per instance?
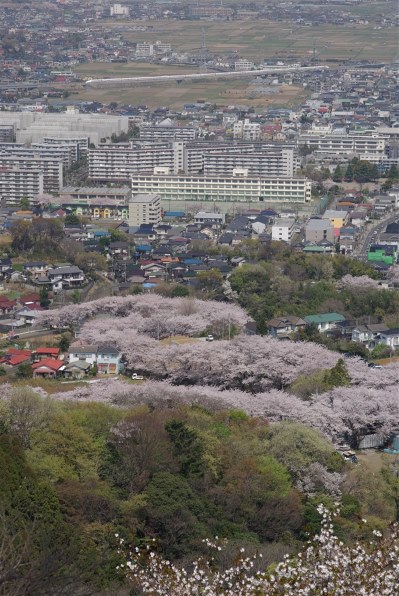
(74, 475)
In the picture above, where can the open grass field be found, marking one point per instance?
(175, 96)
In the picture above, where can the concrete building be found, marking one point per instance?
(144, 208)
(19, 183)
(337, 219)
(319, 229)
(283, 230)
(226, 188)
(33, 127)
(101, 193)
(246, 130)
(116, 163)
(7, 133)
(119, 10)
(168, 133)
(345, 145)
(52, 168)
(242, 64)
(273, 161)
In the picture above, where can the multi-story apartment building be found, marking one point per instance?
(274, 161)
(283, 229)
(168, 133)
(52, 168)
(7, 133)
(119, 163)
(144, 208)
(246, 130)
(345, 145)
(238, 187)
(80, 144)
(38, 150)
(19, 183)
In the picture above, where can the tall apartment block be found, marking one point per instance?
(19, 183)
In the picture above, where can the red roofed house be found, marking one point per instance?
(44, 353)
(15, 357)
(31, 300)
(48, 368)
(6, 305)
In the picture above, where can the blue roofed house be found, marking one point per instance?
(325, 321)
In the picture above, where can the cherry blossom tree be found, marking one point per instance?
(360, 282)
(325, 566)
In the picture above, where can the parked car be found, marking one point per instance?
(209, 338)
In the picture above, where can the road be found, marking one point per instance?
(372, 234)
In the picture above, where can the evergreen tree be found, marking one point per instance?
(349, 173)
(338, 174)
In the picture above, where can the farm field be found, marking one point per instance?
(175, 96)
(262, 39)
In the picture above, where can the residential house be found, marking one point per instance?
(108, 359)
(284, 326)
(15, 357)
(27, 315)
(36, 268)
(324, 322)
(390, 338)
(369, 335)
(7, 306)
(48, 368)
(70, 276)
(77, 370)
(46, 353)
(83, 354)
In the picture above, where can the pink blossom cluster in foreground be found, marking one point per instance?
(325, 567)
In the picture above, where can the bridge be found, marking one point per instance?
(179, 78)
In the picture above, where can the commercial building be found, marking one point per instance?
(144, 208)
(283, 229)
(226, 188)
(243, 64)
(19, 183)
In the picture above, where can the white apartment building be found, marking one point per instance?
(345, 145)
(38, 150)
(52, 168)
(80, 145)
(246, 130)
(283, 230)
(239, 187)
(168, 133)
(144, 208)
(262, 163)
(7, 133)
(119, 10)
(18, 183)
(119, 163)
